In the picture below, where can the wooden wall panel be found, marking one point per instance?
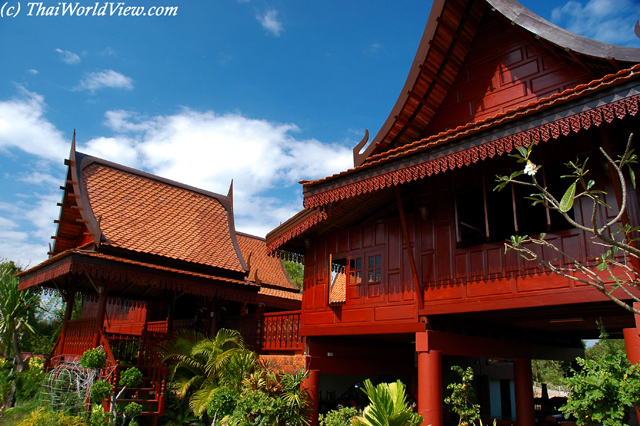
(503, 69)
(489, 287)
(443, 252)
(394, 292)
(343, 241)
(439, 291)
(356, 238)
(386, 313)
(356, 315)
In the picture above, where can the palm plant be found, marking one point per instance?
(198, 364)
(387, 407)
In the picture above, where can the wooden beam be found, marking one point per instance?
(405, 231)
(432, 75)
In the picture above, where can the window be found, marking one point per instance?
(355, 278)
(374, 268)
(483, 215)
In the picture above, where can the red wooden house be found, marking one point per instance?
(405, 266)
(138, 258)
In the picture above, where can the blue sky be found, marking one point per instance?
(264, 92)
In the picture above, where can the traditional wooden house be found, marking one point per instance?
(138, 258)
(405, 265)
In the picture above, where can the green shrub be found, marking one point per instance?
(131, 378)
(44, 417)
(461, 396)
(339, 417)
(222, 404)
(94, 359)
(99, 417)
(100, 390)
(133, 410)
(30, 380)
(603, 391)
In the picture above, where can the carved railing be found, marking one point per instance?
(78, 336)
(281, 331)
(157, 326)
(125, 347)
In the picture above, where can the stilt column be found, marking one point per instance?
(312, 385)
(430, 387)
(632, 343)
(524, 392)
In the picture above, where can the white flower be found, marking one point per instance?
(530, 168)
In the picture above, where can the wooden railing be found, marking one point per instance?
(125, 347)
(249, 327)
(78, 336)
(281, 331)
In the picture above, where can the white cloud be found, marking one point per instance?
(199, 148)
(207, 150)
(32, 71)
(610, 21)
(23, 127)
(270, 22)
(105, 79)
(37, 178)
(68, 57)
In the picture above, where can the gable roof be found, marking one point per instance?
(449, 37)
(267, 271)
(124, 209)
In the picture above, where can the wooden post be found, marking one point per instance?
(70, 299)
(172, 308)
(407, 240)
(632, 343)
(525, 415)
(102, 308)
(312, 385)
(430, 387)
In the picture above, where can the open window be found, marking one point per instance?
(484, 216)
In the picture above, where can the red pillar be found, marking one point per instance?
(525, 415)
(312, 385)
(632, 343)
(430, 387)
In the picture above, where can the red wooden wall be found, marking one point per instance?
(455, 278)
(503, 69)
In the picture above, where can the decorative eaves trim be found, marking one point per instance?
(552, 130)
(297, 230)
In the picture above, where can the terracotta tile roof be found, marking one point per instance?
(338, 294)
(264, 269)
(139, 213)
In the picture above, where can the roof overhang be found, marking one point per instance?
(129, 279)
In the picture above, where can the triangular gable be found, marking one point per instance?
(437, 76)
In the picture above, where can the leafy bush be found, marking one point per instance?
(133, 410)
(44, 417)
(94, 359)
(461, 396)
(603, 391)
(30, 380)
(339, 417)
(99, 417)
(222, 404)
(100, 390)
(131, 378)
